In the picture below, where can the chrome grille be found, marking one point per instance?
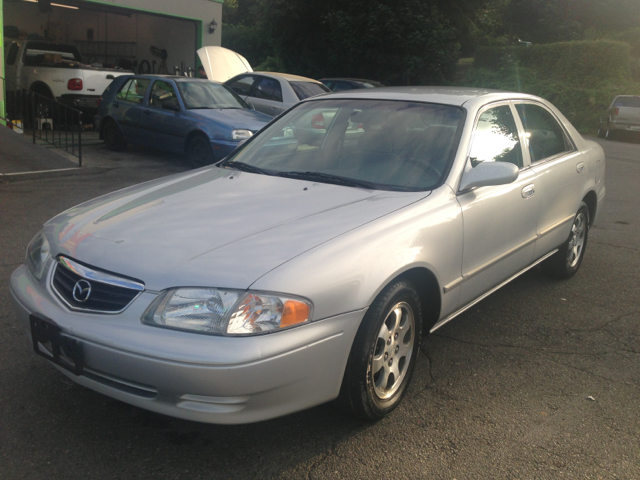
(107, 293)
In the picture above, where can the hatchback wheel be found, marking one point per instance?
(199, 152)
(566, 261)
(113, 137)
(384, 353)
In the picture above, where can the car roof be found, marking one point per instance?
(443, 95)
(287, 76)
(345, 79)
(175, 78)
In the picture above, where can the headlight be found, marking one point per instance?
(241, 134)
(226, 312)
(38, 253)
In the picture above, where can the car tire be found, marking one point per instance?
(566, 261)
(199, 152)
(384, 353)
(113, 136)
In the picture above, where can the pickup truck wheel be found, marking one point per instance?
(199, 152)
(113, 137)
(384, 353)
(566, 261)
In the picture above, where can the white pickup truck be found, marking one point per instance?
(56, 71)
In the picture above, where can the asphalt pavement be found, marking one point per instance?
(18, 154)
(541, 380)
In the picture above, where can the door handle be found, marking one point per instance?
(116, 104)
(528, 191)
(146, 112)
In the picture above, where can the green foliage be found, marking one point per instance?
(394, 41)
(583, 62)
(548, 21)
(578, 77)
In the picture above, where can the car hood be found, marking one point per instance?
(235, 117)
(221, 64)
(213, 227)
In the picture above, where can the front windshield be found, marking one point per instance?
(392, 145)
(208, 95)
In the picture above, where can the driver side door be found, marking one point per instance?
(499, 221)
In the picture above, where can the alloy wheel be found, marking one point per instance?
(392, 351)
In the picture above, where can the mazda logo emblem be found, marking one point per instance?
(81, 291)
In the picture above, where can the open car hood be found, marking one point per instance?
(221, 63)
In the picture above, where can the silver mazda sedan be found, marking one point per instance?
(307, 265)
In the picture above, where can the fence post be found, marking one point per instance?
(34, 119)
(80, 141)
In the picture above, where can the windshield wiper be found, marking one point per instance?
(245, 167)
(329, 178)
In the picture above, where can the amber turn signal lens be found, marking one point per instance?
(294, 312)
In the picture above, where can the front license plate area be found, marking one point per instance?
(49, 342)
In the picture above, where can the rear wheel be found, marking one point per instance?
(566, 261)
(384, 353)
(199, 152)
(113, 137)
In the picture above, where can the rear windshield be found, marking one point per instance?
(307, 89)
(627, 102)
(42, 53)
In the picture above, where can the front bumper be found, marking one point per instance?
(222, 148)
(197, 377)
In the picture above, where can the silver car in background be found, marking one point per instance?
(622, 115)
(273, 93)
(308, 265)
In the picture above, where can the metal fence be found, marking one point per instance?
(47, 120)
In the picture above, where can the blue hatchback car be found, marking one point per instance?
(203, 119)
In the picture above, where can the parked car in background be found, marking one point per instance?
(622, 115)
(56, 72)
(306, 267)
(340, 84)
(203, 119)
(273, 93)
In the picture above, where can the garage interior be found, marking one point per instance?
(108, 35)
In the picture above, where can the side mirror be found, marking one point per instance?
(171, 104)
(488, 174)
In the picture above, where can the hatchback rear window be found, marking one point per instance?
(307, 89)
(627, 102)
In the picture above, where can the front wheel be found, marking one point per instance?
(113, 137)
(566, 261)
(199, 152)
(384, 353)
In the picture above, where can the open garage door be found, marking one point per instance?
(108, 35)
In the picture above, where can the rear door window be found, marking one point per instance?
(133, 90)
(545, 135)
(308, 89)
